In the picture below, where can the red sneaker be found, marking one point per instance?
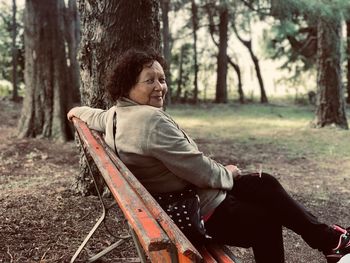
(343, 247)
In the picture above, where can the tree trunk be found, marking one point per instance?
(263, 97)
(45, 103)
(72, 34)
(238, 72)
(194, 10)
(229, 60)
(330, 107)
(165, 6)
(221, 84)
(109, 28)
(248, 45)
(348, 60)
(179, 81)
(14, 52)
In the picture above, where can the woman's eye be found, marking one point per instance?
(162, 80)
(150, 81)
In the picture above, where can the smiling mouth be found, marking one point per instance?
(157, 97)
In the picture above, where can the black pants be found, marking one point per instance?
(253, 213)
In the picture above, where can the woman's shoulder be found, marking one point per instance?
(140, 115)
(144, 111)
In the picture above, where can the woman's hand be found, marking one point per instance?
(236, 172)
(71, 114)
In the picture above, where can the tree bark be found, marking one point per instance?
(221, 83)
(45, 103)
(109, 28)
(194, 10)
(72, 34)
(165, 6)
(14, 52)
(330, 106)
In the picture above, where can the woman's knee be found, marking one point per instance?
(269, 180)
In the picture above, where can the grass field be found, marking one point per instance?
(285, 127)
(312, 164)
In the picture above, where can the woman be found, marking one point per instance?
(246, 211)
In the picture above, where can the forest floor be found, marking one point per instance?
(42, 220)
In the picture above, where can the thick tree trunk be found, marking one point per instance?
(229, 60)
(14, 52)
(109, 28)
(221, 83)
(165, 6)
(194, 10)
(330, 109)
(348, 60)
(72, 34)
(45, 104)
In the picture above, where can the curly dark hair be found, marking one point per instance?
(125, 74)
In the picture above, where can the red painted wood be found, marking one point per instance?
(160, 256)
(219, 254)
(207, 257)
(150, 234)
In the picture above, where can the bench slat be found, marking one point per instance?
(160, 256)
(207, 257)
(150, 234)
(221, 255)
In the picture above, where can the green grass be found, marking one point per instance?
(285, 127)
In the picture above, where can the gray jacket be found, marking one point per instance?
(161, 155)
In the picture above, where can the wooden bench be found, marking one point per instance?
(155, 235)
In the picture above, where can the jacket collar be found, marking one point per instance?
(125, 102)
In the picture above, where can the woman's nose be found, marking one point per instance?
(158, 85)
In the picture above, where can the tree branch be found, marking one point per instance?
(7, 21)
(247, 43)
(261, 11)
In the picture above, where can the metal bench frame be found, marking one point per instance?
(100, 220)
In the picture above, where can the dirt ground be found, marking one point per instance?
(42, 220)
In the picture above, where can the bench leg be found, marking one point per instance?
(87, 238)
(105, 251)
(92, 231)
(98, 223)
(138, 246)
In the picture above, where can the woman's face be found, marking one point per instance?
(151, 87)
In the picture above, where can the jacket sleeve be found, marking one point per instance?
(96, 119)
(167, 143)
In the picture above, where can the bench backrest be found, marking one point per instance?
(156, 232)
